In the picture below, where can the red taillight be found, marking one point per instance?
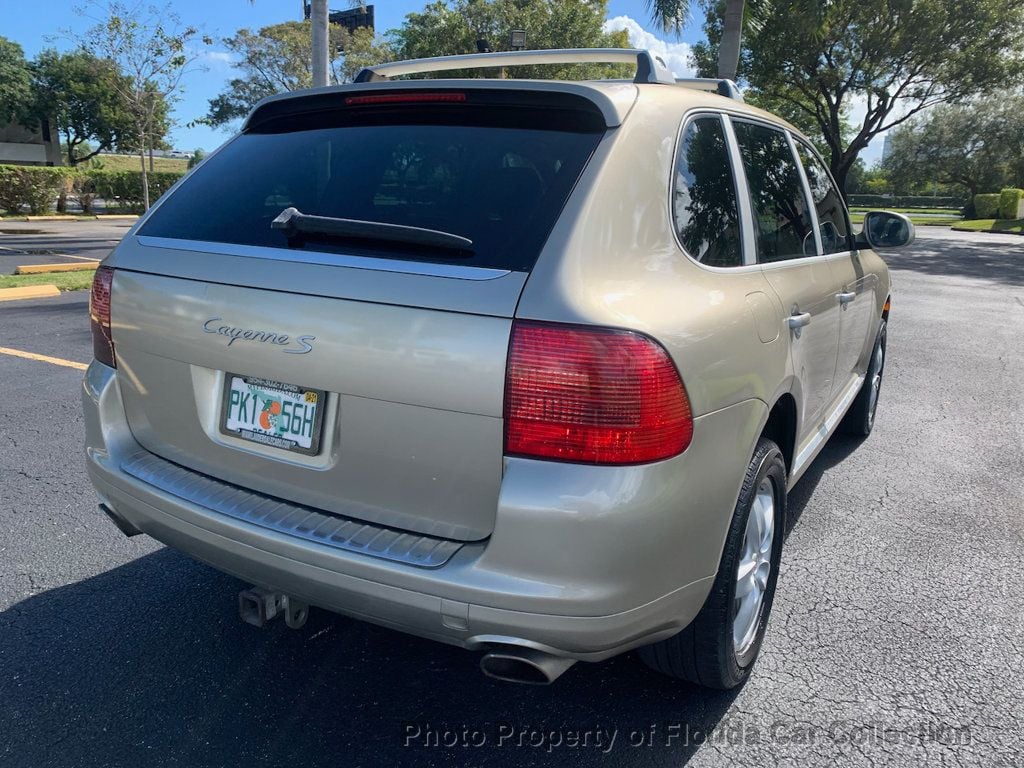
(99, 315)
(593, 395)
(443, 97)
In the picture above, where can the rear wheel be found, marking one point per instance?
(719, 647)
(860, 419)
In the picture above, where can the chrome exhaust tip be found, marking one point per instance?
(524, 665)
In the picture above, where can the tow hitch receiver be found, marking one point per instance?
(257, 606)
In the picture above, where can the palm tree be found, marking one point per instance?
(672, 15)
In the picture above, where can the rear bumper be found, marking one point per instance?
(610, 591)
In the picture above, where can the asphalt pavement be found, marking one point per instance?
(896, 637)
(56, 242)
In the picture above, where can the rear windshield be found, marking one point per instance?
(496, 173)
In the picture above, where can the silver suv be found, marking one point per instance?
(523, 366)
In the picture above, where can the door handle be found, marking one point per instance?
(798, 320)
(846, 298)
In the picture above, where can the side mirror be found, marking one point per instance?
(885, 229)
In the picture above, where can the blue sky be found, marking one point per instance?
(38, 26)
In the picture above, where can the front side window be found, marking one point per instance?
(833, 222)
(782, 221)
(704, 196)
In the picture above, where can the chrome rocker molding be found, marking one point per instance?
(292, 519)
(817, 440)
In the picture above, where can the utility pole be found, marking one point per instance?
(321, 47)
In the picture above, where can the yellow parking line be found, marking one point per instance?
(43, 358)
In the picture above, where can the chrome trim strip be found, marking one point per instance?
(812, 209)
(289, 518)
(455, 271)
(822, 434)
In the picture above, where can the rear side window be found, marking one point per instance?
(781, 217)
(833, 222)
(496, 174)
(704, 195)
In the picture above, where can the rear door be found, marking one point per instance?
(787, 249)
(856, 286)
(359, 374)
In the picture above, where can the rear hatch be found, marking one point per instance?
(341, 364)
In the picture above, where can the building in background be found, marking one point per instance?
(26, 146)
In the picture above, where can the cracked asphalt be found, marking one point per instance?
(896, 637)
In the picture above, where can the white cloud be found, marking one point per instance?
(676, 55)
(217, 57)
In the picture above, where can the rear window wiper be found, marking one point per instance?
(294, 223)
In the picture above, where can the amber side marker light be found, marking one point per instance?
(885, 307)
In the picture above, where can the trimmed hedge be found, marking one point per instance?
(34, 186)
(1010, 203)
(987, 206)
(904, 201)
(37, 187)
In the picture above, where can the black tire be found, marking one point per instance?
(705, 652)
(860, 419)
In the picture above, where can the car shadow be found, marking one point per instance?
(148, 664)
(979, 257)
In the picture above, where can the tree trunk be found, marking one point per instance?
(732, 33)
(150, 158)
(321, 54)
(145, 178)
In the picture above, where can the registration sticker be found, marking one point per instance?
(272, 413)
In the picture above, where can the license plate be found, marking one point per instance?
(272, 413)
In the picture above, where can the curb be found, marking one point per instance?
(87, 217)
(987, 231)
(38, 269)
(29, 292)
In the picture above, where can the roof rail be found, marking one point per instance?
(650, 68)
(722, 87)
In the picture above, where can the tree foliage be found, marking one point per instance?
(79, 91)
(15, 83)
(153, 51)
(278, 58)
(449, 27)
(892, 58)
(978, 146)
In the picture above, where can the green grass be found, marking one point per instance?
(917, 221)
(65, 281)
(131, 163)
(991, 225)
(950, 211)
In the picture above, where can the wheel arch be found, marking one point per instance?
(781, 427)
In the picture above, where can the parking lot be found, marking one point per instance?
(897, 636)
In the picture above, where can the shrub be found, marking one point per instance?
(34, 186)
(904, 201)
(1010, 203)
(38, 187)
(123, 189)
(986, 206)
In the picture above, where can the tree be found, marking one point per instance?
(447, 27)
(277, 58)
(154, 51)
(978, 147)
(16, 100)
(731, 16)
(894, 57)
(78, 91)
